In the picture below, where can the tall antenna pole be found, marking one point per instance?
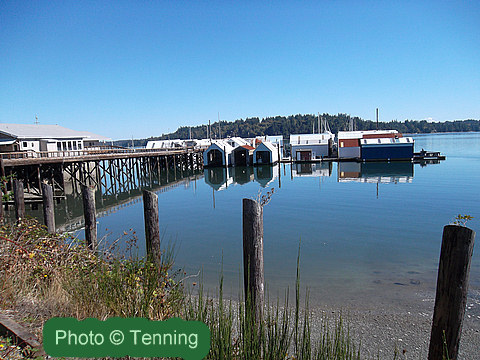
(313, 127)
(219, 135)
(377, 118)
(319, 125)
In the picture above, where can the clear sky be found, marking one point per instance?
(143, 68)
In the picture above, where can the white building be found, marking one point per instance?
(236, 141)
(36, 137)
(307, 147)
(218, 154)
(165, 144)
(265, 153)
(177, 143)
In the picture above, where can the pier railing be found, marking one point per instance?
(95, 151)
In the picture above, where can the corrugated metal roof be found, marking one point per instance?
(383, 141)
(310, 139)
(268, 145)
(37, 131)
(247, 147)
(7, 142)
(359, 134)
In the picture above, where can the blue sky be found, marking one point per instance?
(143, 68)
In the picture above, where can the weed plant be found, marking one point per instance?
(59, 276)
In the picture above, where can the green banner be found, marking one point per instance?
(117, 337)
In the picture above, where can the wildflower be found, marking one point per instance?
(31, 255)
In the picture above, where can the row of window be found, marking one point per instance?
(69, 145)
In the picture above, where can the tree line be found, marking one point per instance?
(303, 124)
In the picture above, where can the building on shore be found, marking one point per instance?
(219, 153)
(37, 137)
(308, 147)
(178, 144)
(374, 145)
(265, 153)
(243, 155)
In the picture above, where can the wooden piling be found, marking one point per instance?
(452, 287)
(152, 228)
(253, 257)
(2, 212)
(48, 208)
(90, 217)
(19, 199)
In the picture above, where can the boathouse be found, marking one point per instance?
(374, 145)
(308, 147)
(243, 155)
(265, 154)
(218, 154)
(36, 137)
(165, 144)
(349, 141)
(236, 141)
(387, 149)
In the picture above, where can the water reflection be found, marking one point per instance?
(220, 178)
(312, 169)
(69, 211)
(376, 172)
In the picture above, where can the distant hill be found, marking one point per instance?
(302, 124)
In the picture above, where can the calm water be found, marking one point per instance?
(369, 232)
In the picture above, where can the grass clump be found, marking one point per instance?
(61, 276)
(284, 333)
(44, 275)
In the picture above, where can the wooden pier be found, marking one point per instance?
(111, 171)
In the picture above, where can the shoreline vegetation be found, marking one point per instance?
(47, 275)
(304, 124)
(52, 275)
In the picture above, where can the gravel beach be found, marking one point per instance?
(380, 329)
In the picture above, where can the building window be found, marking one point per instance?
(79, 145)
(69, 145)
(33, 145)
(59, 146)
(25, 144)
(64, 145)
(74, 145)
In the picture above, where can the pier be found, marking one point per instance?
(109, 170)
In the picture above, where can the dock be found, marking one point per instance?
(111, 170)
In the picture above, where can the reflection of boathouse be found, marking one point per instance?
(265, 174)
(376, 172)
(218, 177)
(308, 169)
(242, 174)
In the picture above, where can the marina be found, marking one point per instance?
(84, 158)
(358, 223)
